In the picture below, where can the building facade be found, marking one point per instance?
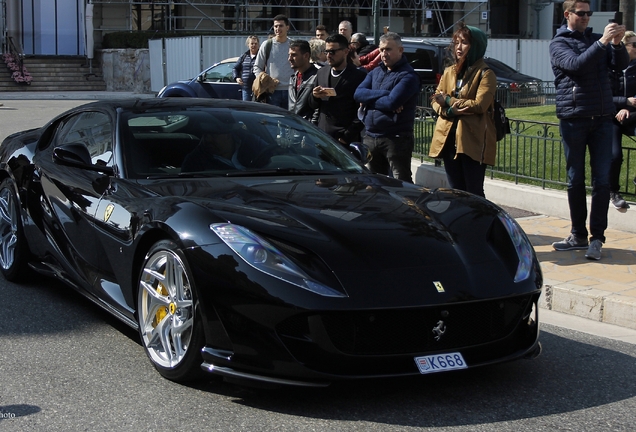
(59, 27)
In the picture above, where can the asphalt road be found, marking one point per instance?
(18, 115)
(66, 365)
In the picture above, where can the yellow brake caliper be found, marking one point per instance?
(162, 311)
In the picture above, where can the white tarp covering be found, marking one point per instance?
(88, 14)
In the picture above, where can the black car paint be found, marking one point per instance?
(419, 236)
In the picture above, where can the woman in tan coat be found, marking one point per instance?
(465, 136)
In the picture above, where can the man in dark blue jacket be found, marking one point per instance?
(581, 61)
(388, 96)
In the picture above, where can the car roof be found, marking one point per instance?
(428, 41)
(144, 104)
(506, 72)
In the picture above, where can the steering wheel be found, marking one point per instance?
(265, 154)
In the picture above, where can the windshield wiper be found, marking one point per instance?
(182, 175)
(273, 172)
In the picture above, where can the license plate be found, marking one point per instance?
(440, 362)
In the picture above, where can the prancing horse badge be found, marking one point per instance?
(438, 286)
(108, 212)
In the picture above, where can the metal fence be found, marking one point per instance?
(531, 154)
(541, 93)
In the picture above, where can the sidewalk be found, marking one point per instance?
(602, 290)
(86, 95)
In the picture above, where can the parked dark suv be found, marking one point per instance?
(428, 57)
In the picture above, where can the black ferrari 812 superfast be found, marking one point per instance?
(242, 241)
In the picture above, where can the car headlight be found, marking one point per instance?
(521, 244)
(265, 257)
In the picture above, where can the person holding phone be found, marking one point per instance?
(624, 91)
(581, 62)
(333, 93)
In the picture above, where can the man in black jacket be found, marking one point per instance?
(301, 83)
(333, 93)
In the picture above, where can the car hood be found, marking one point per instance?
(369, 230)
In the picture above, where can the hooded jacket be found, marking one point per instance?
(475, 135)
(581, 66)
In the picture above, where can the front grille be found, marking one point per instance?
(407, 331)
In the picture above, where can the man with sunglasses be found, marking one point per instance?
(581, 62)
(333, 93)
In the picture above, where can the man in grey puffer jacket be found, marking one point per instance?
(581, 61)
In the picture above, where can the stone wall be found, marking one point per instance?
(126, 69)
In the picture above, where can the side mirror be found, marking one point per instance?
(77, 155)
(361, 152)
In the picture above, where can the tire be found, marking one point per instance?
(169, 325)
(13, 247)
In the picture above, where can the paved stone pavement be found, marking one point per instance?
(602, 290)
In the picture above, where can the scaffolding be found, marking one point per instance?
(420, 17)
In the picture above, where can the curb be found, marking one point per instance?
(590, 303)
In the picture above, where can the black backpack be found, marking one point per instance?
(502, 124)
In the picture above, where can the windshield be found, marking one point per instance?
(210, 141)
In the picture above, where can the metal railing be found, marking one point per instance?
(540, 93)
(531, 154)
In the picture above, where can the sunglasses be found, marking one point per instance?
(332, 51)
(581, 14)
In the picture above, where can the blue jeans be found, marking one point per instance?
(248, 95)
(578, 135)
(280, 98)
(392, 154)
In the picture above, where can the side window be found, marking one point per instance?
(425, 63)
(94, 130)
(220, 73)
